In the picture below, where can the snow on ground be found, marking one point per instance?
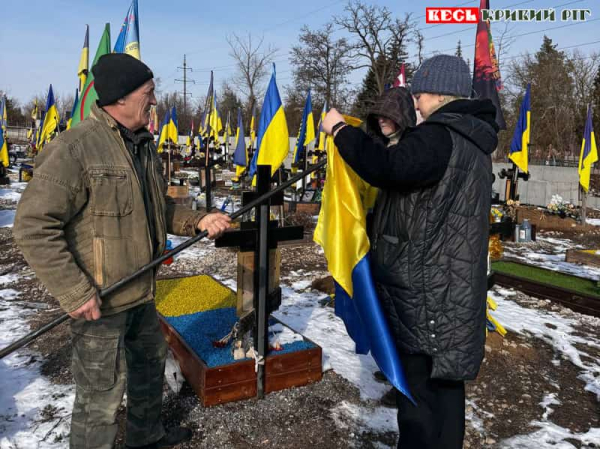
(26, 394)
(551, 258)
(7, 218)
(34, 413)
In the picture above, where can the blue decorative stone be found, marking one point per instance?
(200, 329)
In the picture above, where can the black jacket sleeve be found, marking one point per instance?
(419, 159)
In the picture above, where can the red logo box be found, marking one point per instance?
(452, 15)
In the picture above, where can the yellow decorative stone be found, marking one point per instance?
(184, 296)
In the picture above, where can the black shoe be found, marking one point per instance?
(389, 399)
(173, 437)
(380, 377)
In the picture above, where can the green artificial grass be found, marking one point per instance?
(554, 278)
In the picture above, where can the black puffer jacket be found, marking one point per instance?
(429, 242)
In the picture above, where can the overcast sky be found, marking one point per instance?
(41, 41)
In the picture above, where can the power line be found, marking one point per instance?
(522, 34)
(185, 68)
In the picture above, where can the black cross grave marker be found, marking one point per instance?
(260, 236)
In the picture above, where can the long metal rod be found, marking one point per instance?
(238, 213)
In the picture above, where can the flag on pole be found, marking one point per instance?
(34, 111)
(322, 135)
(51, 120)
(128, 41)
(400, 80)
(253, 126)
(216, 125)
(342, 233)
(164, 132)
(589, 152)
(486, 74)
(306, 133)
(519, 146)
(84, 60)
(172, 132)
(70, 121)
(240, 155)
(3, 149)
(3, 113)
(88, 95)
(273, 143)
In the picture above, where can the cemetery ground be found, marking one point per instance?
(538, 387)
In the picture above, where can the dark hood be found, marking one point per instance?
(474, 119)
(396, 104)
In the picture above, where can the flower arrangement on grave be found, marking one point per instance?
(558, 206)
(510, 209)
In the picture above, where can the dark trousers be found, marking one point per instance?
(125, 350)
(438, 419)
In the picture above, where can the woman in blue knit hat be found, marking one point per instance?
(429, 243)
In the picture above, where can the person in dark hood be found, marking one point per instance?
(429, 243)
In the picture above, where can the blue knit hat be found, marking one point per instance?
(444, 75)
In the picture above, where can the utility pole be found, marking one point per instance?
(185, 69)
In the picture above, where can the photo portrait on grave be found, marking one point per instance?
(430, 232)
(95, 212)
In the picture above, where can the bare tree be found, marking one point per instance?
(321, 63)
(251, 60)
(381, 39)
(504, 42)
(419, 39)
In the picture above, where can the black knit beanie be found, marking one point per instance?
(118, 74)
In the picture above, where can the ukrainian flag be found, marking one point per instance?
(3, 114)
(341, 232)
(3, 149)
(589, 153)
(73, 109)
(322, 135)
(253, 126)
(129, 37)
(273, 142)
(520, 144)
(240, 157)
(51, 120)
(172, 132)
(164, 132)
(216, 125)
(84, 60)
(306, 134)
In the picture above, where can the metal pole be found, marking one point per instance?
(103, 293)
(207, 179)
(263, 272)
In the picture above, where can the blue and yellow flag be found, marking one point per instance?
(240, 156)
(253, 126)
(73, 109)
(3, 113)
(342, 233)
(3, 149)
(322, 135)
(51, 120)
(164, 132)
(519, 146)
(273, 141)
(306, 134)
(589, 152)
(84, 60)
(172, 132)
(129, 37)
(34, 111)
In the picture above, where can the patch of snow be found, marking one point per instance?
(372, 419)
(7, 218)
(550, 436)
(10, 194)
(9, 279)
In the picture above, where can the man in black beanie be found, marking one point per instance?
(429, 242)
(95, 212)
